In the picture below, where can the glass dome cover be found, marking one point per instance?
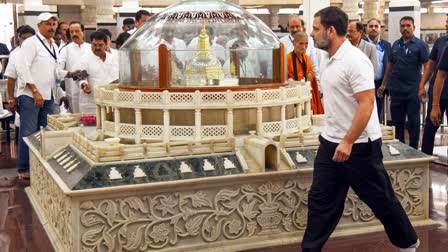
(209, 43)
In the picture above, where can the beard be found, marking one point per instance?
(323, 42)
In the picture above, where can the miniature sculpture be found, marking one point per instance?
(393, 151)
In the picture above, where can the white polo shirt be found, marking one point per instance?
(348, 72)
(40, 62)
(11, 68)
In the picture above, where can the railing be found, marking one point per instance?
(292, 125)
(120, 152)
(112, 96)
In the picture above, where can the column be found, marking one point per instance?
(371, 10)
(274, 18)
(197, 125)
(399, 9)
(310, 7)
(283, 119)
(32, 9)
(260, 121)
(103, 117)
(98, 116)
(166, 126)
(138, 126)
(105, 16)
(230, 122)
(299, 110)
(88, 17)
(117, 121)
(351, 7)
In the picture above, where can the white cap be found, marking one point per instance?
(46, 16)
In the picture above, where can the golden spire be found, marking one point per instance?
(203, 43)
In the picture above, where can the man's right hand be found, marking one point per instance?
(380, 91)
(86, 88)
(38, 100)
(70, 74)
(421, 93)
(435, 115)
(12, 105)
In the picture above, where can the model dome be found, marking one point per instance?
(197, 43)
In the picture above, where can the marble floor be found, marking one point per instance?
(20, 229)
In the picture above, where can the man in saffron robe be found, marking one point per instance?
(300, 67)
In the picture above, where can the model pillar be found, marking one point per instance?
(399, 9)
(98, 116)
(260, 121)
(229, 122)
(283, 118)
(103, 117)
(117, 122)
(299, 110)
(138, 126)
(166, 125)
(197, 125)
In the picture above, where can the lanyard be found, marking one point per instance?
(302, 63)
(53, 54)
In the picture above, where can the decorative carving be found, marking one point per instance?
(54, 204)
(158, 221)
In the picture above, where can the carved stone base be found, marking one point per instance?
(233, 212)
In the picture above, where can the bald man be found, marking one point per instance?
(296, 24)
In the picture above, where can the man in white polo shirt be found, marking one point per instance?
(349, 153)
(35, 95)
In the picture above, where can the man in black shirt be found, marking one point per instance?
(438, 85)
(430, 129)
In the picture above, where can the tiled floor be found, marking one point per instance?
(20, 229)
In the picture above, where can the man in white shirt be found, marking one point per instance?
(296, 24)
(102, 69)
(109, 49)
(140, 17)
(11, 71)
(69, 62)
(178, 53)
(349, 153)
(62, 28)
(35, 94)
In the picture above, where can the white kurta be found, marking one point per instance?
(100, 73)
(69, 61)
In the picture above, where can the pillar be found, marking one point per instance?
(260, 121)
(299, 110)
(117, 121)
(197, 125)
(88, 17)
(310, 7)
(105, 16)
(32, 9)
(166, 126)
(351, 8)
(399, 9)
(283, 118)
(371, 10)
(138, 126)
(230, 122)
(103, 117)
(98, 116)
(274, 18)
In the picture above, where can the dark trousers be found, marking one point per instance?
(379, 101)
(429, 132)
(409, 106)
(364, 172)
